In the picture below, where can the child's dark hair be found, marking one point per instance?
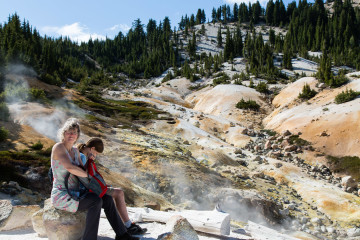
(93, 142)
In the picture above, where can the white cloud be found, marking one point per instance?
(122, 27)
(76, 32)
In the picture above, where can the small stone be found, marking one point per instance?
(238, 151)
(278, 165)
(291, 206)
(324, 134)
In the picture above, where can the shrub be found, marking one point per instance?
(346, 96)
(349, 165)
(339, 80)
(54, 80)
(4, 112)
(307, 92)
(249, 104)
(221, 78)
(262, 87)
(298, 141)
(3, 134)
(168, 77)
(37, 94)
(269, 132)
(37, 146)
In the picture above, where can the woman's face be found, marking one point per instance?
(71, 135)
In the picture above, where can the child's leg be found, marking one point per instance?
(119, 198)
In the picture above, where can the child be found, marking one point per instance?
(89, 150)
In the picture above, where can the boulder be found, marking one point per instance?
(286, 133)
(290, 148)
(15, 217)
(257, 148)
(348, 182)
(322, 85)
(285, 143)
(59, 224)
(353, 232)
(238, 151)
(324, 134)
(153, 206)
(274, 154)
(278, 165)
(268, 145)
(178, 228)
(258, 159)
(275, 146)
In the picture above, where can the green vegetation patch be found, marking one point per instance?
(11, 164)
(249, 104)
(295, 139)
(3, 134)
(348, 164)
(129, 110)
(197, 87)
(346, 96)
(37, 146)
(4, 112)
(269, 132)
(221, 78)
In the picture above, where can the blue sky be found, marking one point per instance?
(80, 19)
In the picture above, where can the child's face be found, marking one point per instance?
(93, 152)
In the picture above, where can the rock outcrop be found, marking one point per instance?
(15, 217)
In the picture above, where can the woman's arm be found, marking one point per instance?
(59, 153)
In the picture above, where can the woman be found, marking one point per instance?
(65, 158)
(90, 150)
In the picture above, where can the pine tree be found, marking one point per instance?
(219, 37)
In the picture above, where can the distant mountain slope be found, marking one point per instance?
(331, 127)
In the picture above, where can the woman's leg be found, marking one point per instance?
(92, 203)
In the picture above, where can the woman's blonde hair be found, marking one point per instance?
(93, 142)
(70, 124)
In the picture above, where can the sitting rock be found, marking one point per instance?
(15, 217)
(178, 228)
(59, 224)
(348, 182)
